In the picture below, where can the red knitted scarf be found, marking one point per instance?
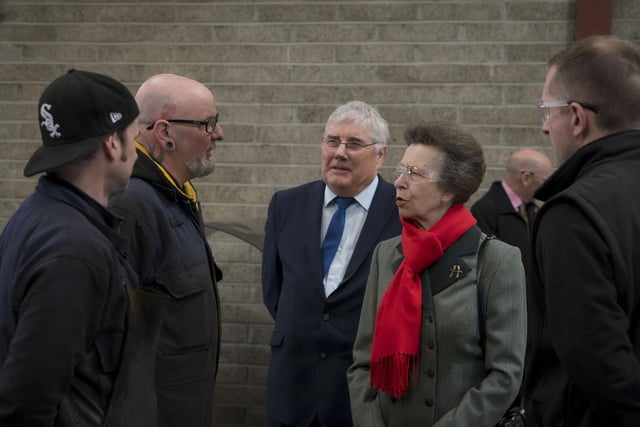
(396, 336)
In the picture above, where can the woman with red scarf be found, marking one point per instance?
(420, 357)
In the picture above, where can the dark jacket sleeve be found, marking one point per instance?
(141, 242)
(59, 312)
(271, 265)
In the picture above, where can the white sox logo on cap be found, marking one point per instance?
(48, 122)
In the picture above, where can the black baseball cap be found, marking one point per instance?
(76, 112)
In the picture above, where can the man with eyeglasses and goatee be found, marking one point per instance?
(318, 244)
(167, 241)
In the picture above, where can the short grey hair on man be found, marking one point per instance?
(363, 114)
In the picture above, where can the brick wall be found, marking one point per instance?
(278, 68)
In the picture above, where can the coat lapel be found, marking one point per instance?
(451, 267)
(313, 216)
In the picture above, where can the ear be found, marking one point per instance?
(111, 147)
(380, 155)
(580, 123)
(160, 130)
(161, 133)
(383, 152)
(447, 197)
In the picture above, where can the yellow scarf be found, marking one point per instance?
(188, 191)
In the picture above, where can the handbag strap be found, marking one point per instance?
(482, 310)
(514, 417)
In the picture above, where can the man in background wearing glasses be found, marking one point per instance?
(167, 241)
(313, 277)
(508, 208)
(583, 361)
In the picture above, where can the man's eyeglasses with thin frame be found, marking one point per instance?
(414, 174)
(544, 107)
(209, 124)
(352, 144)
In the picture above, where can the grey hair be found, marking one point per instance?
(363, 114)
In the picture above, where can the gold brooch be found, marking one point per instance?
(456, 269)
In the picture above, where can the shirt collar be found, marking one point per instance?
(364, 198)
(515, 200)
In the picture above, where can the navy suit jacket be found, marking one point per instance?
(312, 341)
(495, 215)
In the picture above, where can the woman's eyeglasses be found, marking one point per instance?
(414, 174)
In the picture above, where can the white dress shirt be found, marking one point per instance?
(356, 214)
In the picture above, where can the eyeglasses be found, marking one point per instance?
(352, 144)
(414, 174)
(544, 107)
(209, 124)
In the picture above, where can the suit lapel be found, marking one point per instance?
(313, 216)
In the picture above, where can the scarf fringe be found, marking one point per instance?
(392, 374)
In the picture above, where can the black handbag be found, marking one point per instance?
(515, 415)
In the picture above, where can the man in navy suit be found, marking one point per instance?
(316, 313)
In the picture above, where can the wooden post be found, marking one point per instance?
(594, 17)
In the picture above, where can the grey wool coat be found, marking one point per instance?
(460, 385)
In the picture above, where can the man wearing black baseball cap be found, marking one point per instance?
(67, 317)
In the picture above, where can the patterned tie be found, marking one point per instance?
(334, 232)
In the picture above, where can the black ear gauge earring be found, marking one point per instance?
(170, 145)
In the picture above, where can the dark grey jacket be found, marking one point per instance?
(168, 249)
(460, 384)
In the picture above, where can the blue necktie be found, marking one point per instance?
(334, 232)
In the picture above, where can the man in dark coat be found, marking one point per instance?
(507, 209)
(316, 311)
(71, 353)
(167, 241)
(583, 363)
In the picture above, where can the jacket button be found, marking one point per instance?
(430, 373)
(430, 344)
(429, 318)
(429, 402)
(323, 355)
(325, 316)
